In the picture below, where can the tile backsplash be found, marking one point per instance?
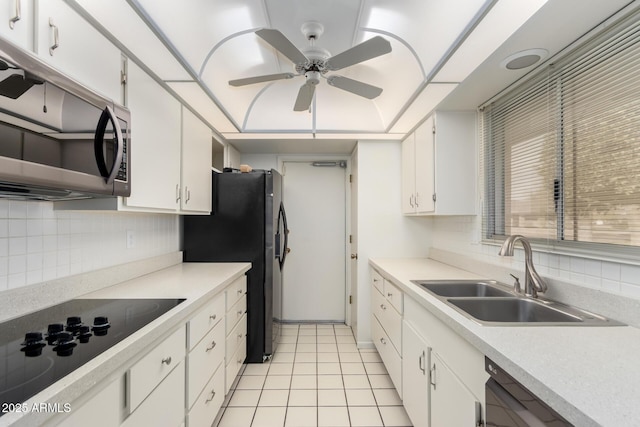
(461, 235)
(39, 244)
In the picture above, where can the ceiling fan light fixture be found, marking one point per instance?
(524, 59)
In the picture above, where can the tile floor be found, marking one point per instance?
(317, 378)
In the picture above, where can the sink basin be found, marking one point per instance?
(512, 310)
(463, 288)
(523, 311)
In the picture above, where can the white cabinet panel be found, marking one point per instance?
(155, 143)
(196, 164)
(146, 374)
(439, 166)
(102, 410)
(81, 52)
(163, 407)
(16, 22)
(452, 404)
(416, 356)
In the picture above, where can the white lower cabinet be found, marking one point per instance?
(165, 405)
(452, 404)
(416, 362)
(439, 375)
(104, 409)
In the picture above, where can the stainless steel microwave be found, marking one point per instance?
(59, 140)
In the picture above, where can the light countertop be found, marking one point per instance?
(590, 375)
(196, 282)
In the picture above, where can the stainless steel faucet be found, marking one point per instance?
(533, 283)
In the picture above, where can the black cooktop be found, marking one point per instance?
(40, 348)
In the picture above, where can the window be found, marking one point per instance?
(562, 151)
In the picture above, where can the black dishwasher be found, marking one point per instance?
(510, 404)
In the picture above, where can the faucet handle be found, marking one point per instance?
(516, 284)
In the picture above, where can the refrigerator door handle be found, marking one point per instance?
(283, 215)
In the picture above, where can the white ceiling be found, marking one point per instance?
(445, 54)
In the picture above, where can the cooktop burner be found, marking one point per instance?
(40, 348)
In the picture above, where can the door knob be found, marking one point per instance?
(354, 256)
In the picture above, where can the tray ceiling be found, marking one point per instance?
(195, 47)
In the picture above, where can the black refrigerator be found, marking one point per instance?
(247, 224)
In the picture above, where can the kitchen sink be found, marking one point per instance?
(491, 303)
(463, 288)
(524, 311)
(511, 310)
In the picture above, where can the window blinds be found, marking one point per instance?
(561, 153)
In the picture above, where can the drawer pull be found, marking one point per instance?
(167, 361)
(383, 307)
(383, 341)
(213, 394)
(213, 317)
(213, 344)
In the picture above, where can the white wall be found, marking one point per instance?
(39, 244)
(383, 231)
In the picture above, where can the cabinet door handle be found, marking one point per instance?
(411, 201)
(389, 294)
(56, 37)
(213, 394)
(187, 195)
(239, 336)
(240, 312)
(432, 376)
(383, 307)
(421, 363)
(213, 344)
(178, 196)
(239, 291)
(383, 341)
(17, 17)
(417, 198)
(213, 317)
(166, 361)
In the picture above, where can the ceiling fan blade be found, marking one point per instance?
(354, 86)
(364, 51)
(260, 79)
(282, 44)
(305, 96)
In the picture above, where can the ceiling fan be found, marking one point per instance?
(314, 62)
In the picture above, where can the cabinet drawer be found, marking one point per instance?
(234, 364)
(236, 336)
(235, 313)
(204, 360)
(163, 407)
(393, 295)
(145, 375)
(388, 354)
(206, 408)
(377, 280)
(389, 319)
(208, 316)
(236, 290)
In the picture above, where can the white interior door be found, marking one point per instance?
(352, 319)
(314, 282)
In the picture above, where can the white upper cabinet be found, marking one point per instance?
(155, 143)
(439, 166)
(196, 164)
(69, 43)
(16, 22)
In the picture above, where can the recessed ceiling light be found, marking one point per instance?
(524, 59)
